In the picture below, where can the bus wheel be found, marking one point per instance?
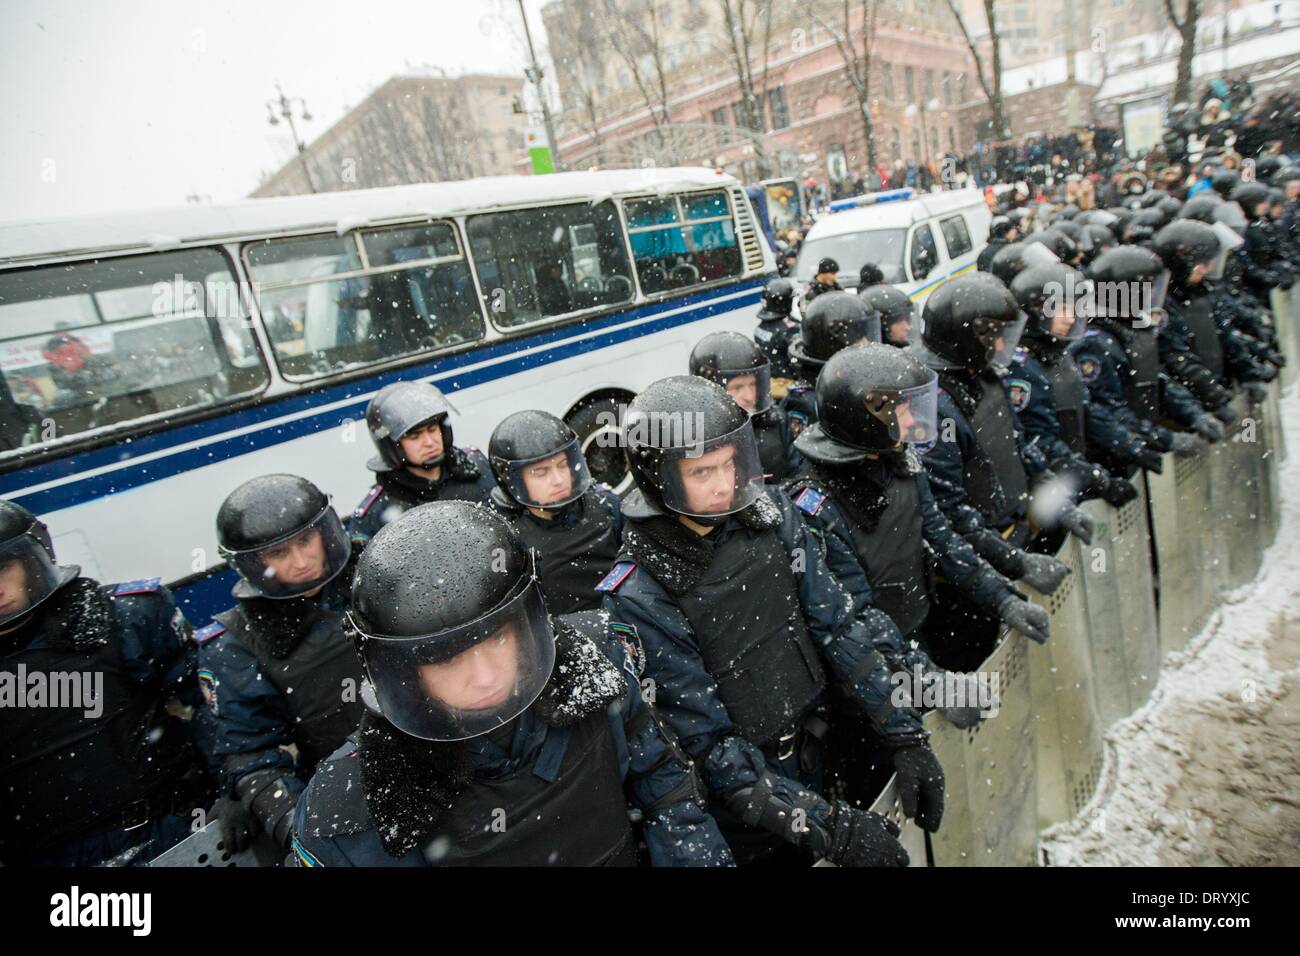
(596, 425)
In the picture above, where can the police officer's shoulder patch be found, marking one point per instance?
(634, 653)
(1089, 368)
(810, 500)
(208, 632)
(1018, 393)
(142, 586)
(1021, 353)
(1091, 332)
(208, 687)
(368, 501)
(303, 856)
(616, 576)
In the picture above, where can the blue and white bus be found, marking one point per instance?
(152, 361)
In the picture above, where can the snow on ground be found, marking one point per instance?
(1208, 772)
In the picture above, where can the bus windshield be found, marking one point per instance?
(882, 247)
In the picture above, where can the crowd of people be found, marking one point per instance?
(492, 659)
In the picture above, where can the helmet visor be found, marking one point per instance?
(713, 478)
(1228, 241)
(463, 681)
(1010, 337)
(911, 414)
(297, 563)
(1230, 214)
(551, 481)
(1037, 254)
(406, 408)
(27, 576)
(1066, 310)
(750, 387)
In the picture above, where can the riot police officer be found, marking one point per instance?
(734, 362)
(417, 460)
(115, 773)
(546, 492)
(278, 669)
(1002, 231)
(865, 488)
(494, 734)
(1015, 257)
(1118, 357)
(1262, 253)
(1043, 384)
(746, 633)
(981, 473)
(775, 329)
(835, 321)
(896, 311)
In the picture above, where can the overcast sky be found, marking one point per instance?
(118, 104)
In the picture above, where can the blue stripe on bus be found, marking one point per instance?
(133, 476)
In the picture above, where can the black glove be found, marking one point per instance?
(1119, 492)
(1079, 523)
(1185, 444)
(1276, 358)
(1226, 415)
(1209, 428)
(1044, 573)
(1151, 460)
(863, 838)
(239, 827)
(920, 785)
(1029, 619)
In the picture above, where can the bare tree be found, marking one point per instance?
(748, 27)
(1186, 28)
(992, 85)
(856, 55)
(580, 67)
(633, 30)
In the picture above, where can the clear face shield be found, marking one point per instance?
(551, 481)
(911, 414)
(1228, 241)
(714, 478)
(28, 575)
(464, 681)
(296, 563)
(1066, 311)
(751, 388)
(1003, 338)
(1230, 215)
(1037, 254)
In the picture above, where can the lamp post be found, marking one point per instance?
(533, 73)
(285, 105)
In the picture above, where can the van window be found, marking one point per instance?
(535, 264)
(924, 254)
(955, 236)
(325, 313)
(681, 241)
(88, 344)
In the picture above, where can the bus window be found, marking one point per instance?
(535, 264)
(955, 236)
(681, 241)
(90, 344)
(325, 313)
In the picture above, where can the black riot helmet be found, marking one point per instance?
(1286, 175)
(1248, 196)
(834, 320)
(1170, 206)
(1153, 198)
(1186, 243)
(691, 449)
(999, 226)
(965, 318)
(28, 574)
(1100, 217)
(893, 304)
(778, 300)
(1276, 197)
(1152, 218)
(450, 622)
(1102, 239)
(537, 460)
(1122, 215)
(1224, 182)
(733, 361)
(1067, 212)
(1014, 257)
(1057, 242)
(1201, 207)
(1129, 283)
(398, 409)
(870, 398)
(281, 536)
(1266, 167)
(1076, 233)
(1056, 299)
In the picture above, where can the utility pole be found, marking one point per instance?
(534, 76)
(285, 104)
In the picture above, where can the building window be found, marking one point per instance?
(929, 85)
(952, 139)
(738, 114)
(887, 80)
(720, 116)
(909, 83)
(947, 88)
(895, 143)
(779, 111)
(916, 145)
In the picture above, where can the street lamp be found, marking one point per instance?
(285, 105)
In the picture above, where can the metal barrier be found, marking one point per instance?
(990, 813)
(1284, 306)
(205, 847)
(1184, 547)
(1119, 598)
(1234, 505)
(1273, 453)
(1067, 730)
(910, 835)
